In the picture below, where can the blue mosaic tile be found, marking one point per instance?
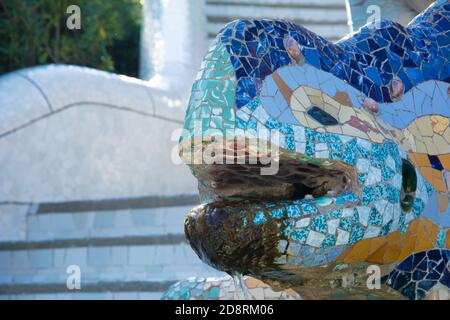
(330, 241)
(356, 234)
(319, 224)
(308, 208)
(293, 211)
(346, 224)
(413, 277)
(277, 213)
(300, 235)
(259, 218)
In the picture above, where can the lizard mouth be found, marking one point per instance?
(237, 173)
(226, 232)
(297, 178)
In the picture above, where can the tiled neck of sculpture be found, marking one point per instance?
(362, 149)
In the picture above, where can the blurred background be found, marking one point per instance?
(35, 33)
(92, 97)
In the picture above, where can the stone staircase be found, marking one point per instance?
(327, 18)
(124, 249)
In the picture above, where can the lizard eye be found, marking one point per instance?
(409, 185)
(322, 116)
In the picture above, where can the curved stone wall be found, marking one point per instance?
(72, 133)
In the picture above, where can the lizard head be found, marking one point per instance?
(293, 144)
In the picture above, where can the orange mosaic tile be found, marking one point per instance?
(438, 181)
(420, 159)
(427, 173)
(379, 255)
(431, 230)
(343, 98)
(421, 235)
(359, 253)
(445, 160)
(447, 239)
(408, 245)
(285, 90)
(392, 252)
(360, 250)
(429, 226)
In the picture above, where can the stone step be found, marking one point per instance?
(85, 296)
(130, 252)
(327, 18)
(221, 13)
(95, 225)
(331, 33)
(282, 3)
(112, 264)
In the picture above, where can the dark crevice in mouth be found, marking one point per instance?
(300, 191)
(295, 180)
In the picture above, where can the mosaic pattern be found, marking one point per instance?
(420, 272)
(375, 104)
(225, 289)
(368, 60)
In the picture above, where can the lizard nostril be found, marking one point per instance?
(370, 105)
(397, 88)
(293, 49)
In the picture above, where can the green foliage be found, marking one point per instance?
(34, 32)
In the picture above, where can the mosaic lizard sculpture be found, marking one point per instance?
(363, 160)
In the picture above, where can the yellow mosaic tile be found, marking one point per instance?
(431, 147)
(313, 92)
(346, 113)
(439, 123)
(316, 100)
(441, 144)
(329, 100)
(420, 147)
(446, 135)
(423, 124)
(296, 105)
(331, 110)
(302, 97)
